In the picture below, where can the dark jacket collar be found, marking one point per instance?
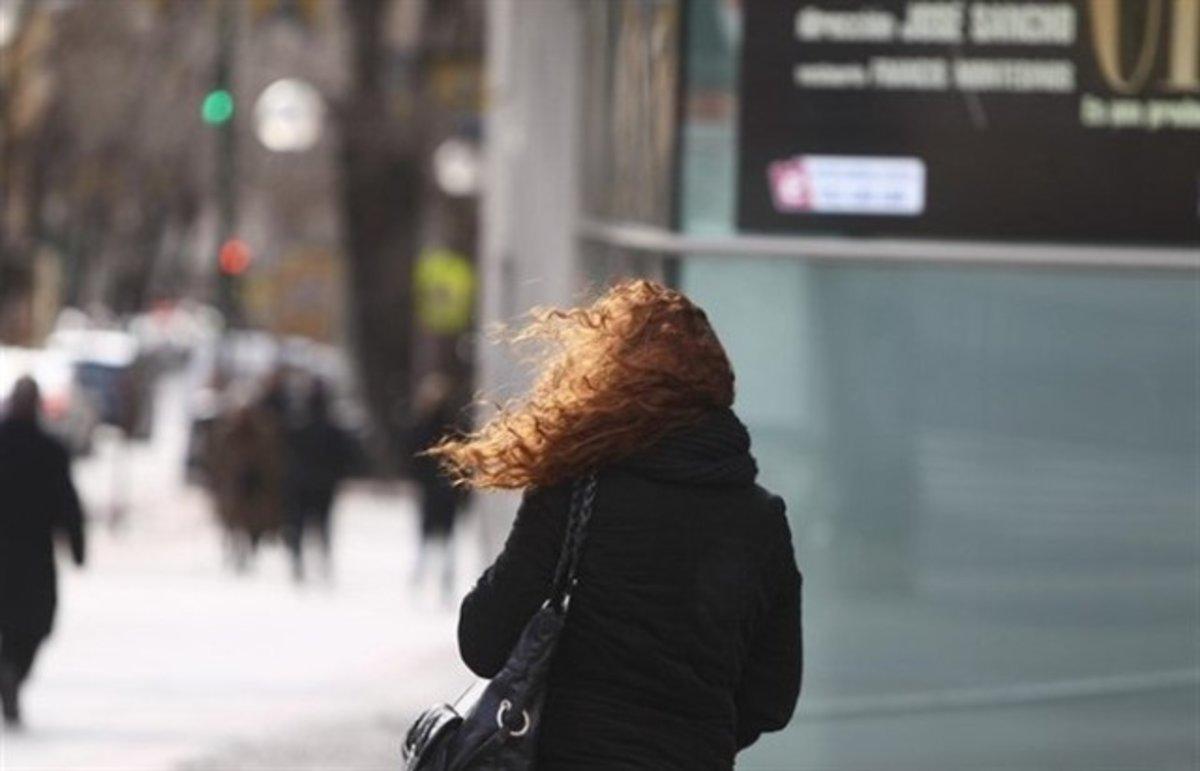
(712, 451)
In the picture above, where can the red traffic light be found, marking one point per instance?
(234, 257)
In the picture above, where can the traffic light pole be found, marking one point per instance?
(228, 296)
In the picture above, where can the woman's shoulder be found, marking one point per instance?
(548, 496)
(546, 504)
(770, 502)
(769, 511)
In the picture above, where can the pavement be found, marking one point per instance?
(367, 743)
(162, 658)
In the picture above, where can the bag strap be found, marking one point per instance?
(583, 496)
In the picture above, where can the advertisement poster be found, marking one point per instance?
(1071, 122)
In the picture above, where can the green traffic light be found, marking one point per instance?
(217, 107)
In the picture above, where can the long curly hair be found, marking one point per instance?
(611, 378)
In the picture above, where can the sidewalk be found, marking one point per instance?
(368, 744)
(162, 658)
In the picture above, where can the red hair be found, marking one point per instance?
(612, 377)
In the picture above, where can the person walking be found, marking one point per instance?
(682, 644)
(319, 455)
(38, 502)
(246, 467)
(435, 413)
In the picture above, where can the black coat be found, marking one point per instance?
(319, 456)
(440, 499)
(37, 499)
(683, 642)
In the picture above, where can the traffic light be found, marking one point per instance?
(234, 257)
(217, 107)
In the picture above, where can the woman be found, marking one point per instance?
(683, 640)
(38, 501)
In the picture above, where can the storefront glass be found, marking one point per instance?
(991, 475)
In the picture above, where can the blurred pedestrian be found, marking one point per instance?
(37, 501)
(274, 401)
(436, 412)
(246, 466)
(319, 455)
(682, 635)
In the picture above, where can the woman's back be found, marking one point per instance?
(682, 642)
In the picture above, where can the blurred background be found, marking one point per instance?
(953, 249)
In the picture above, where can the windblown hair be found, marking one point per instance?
(612, 377)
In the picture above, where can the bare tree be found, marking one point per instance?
(388, 133)
(107, 165)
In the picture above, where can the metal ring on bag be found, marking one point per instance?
(505, 706)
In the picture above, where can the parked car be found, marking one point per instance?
(109, 367)
(169, 333)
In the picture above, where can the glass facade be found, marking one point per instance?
(631, 73)
(993, 480)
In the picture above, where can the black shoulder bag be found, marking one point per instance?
(499, 732)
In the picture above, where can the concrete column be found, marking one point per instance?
(529, 252)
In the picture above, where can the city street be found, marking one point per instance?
(926, 273)
(163, 658)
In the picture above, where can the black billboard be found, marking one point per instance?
(978, 119)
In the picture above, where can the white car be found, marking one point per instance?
(109, 368)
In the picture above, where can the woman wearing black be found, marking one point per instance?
(37, 502)
(682, 643)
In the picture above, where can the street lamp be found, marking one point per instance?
(288, 116)
(456, 167)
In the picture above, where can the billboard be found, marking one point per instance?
(1074, 121)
